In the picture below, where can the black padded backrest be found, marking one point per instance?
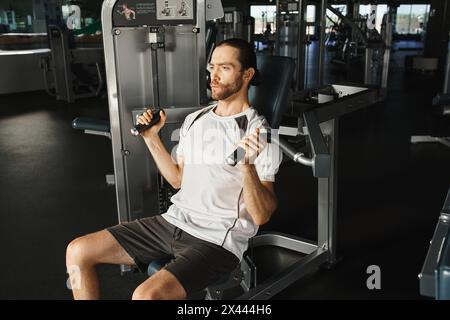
(270, 98)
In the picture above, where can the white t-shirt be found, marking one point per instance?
(210, 203)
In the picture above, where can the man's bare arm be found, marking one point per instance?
(259, 196)
(172, 171)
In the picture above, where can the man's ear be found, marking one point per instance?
(249, 73)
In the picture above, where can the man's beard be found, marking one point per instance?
(227, 90)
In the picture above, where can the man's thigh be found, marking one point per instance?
(145, 240)
(102, 247)
(199, 263)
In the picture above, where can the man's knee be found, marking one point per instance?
(78, 251)
(161, 286)
(147, 294)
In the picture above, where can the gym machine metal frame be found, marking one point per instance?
(145, 76)
(428, 279)
(321, 125)
(386, 46)
(302, 43)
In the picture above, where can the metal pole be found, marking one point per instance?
(301, 44)
(333, 182)
(355, 14)
(368, 66)
(308, 42)
(327, 198)
(387, 48)
(322, 23)
(201, 51)
(447, 72)
(277, 33)
(114, 113)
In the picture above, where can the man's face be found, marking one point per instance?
(226, 72)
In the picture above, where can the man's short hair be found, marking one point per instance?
(247, 56)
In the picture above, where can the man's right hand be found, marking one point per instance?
(145, 119)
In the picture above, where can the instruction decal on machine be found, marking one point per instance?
(134, 13)
(175, 9)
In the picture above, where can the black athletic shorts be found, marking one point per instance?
(197, 263)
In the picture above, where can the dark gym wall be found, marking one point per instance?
(18, 6)
(91, 8)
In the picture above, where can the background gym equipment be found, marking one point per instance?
(72, 72)
(434, 278)
(441, 102)
(354, 42)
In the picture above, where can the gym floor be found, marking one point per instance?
(390, 193)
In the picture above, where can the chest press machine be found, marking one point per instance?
(317, 112)
(157, 59)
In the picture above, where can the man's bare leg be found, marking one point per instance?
(84, 253)
(163, 285)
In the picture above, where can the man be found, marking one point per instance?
(127, 12)
(218, 207)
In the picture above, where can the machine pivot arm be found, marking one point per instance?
(320, 161)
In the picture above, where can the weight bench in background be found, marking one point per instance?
(71, 73)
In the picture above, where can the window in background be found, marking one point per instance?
(311, 13)
(263, 15)
(310, 19)
(412, 18)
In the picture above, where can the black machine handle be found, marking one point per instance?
(239, 153)
(139, 128)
